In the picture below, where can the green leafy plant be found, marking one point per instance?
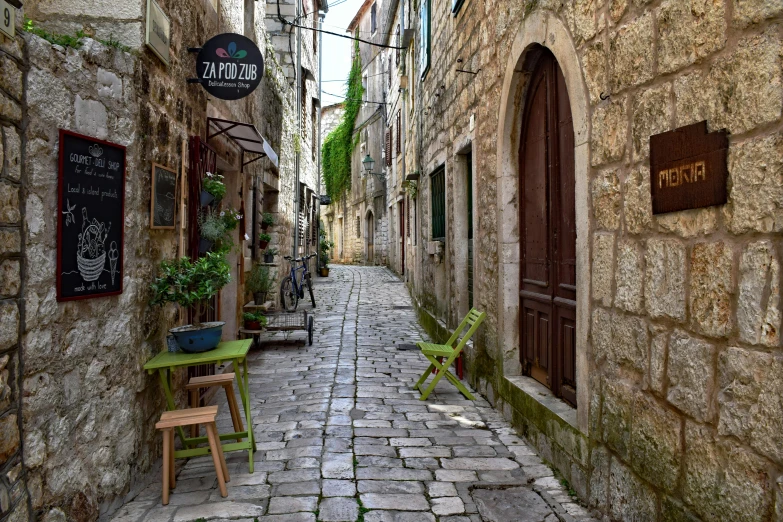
(264, 237)
(325, 246)
(212, 226)
(270, 252)
(268, 219)
(63, 40)
(230, 218)
(191, 283)
(260, 279)
(113, 42)
(339, 144)
(213, 183)
(254, 316)
(412, 188)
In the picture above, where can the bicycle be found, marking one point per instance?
(291, 288)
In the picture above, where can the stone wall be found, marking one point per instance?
(680, 365)
(14, 499)
(88, 408)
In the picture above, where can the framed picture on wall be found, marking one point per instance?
(163, 201)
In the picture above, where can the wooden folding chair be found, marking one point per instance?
(435, 353)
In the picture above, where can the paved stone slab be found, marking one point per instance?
(339, 509)
(400, 502)
(279, 505)
(519, 504)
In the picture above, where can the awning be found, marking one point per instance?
(246, 137)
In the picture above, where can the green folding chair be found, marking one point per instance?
(435, 353)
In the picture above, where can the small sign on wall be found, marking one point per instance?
(7, 19)
(158, 31)
(688, 168)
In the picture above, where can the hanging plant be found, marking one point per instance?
(339, 144)
(213, 184)
(412, 188)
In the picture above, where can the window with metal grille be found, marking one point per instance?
(374, 18)
(399, 132)
(408, 217)
(304, 108)
(438, 203)
(358, 226)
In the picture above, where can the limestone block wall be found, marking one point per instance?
(14, 499)
(679, 412)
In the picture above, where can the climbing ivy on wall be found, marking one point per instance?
(339, 144)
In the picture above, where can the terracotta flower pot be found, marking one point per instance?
(252, 325)
(262, 244)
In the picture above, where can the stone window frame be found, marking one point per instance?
(438, 208)
(553, 32)
(374, 18)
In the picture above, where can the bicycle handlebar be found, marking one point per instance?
(299, 259)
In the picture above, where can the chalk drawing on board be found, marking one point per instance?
(91, 251)
(113, 256)
(165, 212)
(69, 217)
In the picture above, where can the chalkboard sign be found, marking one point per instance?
(90, 228)
(164, 197)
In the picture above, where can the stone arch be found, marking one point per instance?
(369, 235)
(542, 28)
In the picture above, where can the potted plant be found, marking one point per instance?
(325, 247)
(260, 283)
(269, 255)
(254, 320)
(267, 221)
(230, 219)
(212, 188)
(212, 228)
(263, 240)
(192, 284)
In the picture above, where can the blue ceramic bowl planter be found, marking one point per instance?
(203, 339)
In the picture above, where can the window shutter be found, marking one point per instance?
(399, 132)
(388, 148)
(398, 45)
(438, 203)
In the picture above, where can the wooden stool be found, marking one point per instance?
(226, 380)
(179, 418)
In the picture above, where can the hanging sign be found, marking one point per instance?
(688, 168)
(7, 19)
(91, 216)
(229, 66)
(163, 200)
(158, 31)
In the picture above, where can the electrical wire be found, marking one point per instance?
(373, 44)
(352, 99)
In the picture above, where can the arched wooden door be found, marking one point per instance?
(548, 232)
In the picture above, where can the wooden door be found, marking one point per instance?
(548, 233)
(401, 210)
(370, 239)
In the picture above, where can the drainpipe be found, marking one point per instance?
(298, 108)
(403, 92)
(321, 17)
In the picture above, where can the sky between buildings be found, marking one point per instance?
(336, 50)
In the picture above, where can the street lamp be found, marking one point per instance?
(368, 163)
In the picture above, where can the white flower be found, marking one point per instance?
(239, 216)
(209, 174)
(222, 213)
(247, 238)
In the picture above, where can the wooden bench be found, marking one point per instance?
(180, 418)
(435, 353)
(226, 380)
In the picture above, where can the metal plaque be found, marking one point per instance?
(688, 168)
(7, 19)
(158, 31)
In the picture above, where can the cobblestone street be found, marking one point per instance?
(343, 437)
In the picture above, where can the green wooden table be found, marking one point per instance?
(235, 351)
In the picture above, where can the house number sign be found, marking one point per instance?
(688, 168)
(229, 66)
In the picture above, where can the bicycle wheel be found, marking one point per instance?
(310, 329)
(288, 295)
(310, 288)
